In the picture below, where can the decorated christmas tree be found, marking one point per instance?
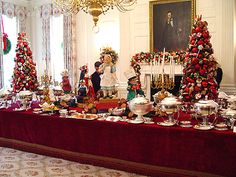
(24, 74)
(199, 71)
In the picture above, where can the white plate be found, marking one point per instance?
(135, 121)
(187, 122)
(205, 127)
(113, 118)
(19, 109)
(166, 123)
(186, 126)
(221, 129)
(149, 122)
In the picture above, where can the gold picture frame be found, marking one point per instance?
(170, 24)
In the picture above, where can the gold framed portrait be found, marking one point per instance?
(170, 24)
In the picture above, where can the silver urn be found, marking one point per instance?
(140, 106)
(206, 107)
(170, 105)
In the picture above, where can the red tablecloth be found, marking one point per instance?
(176, 147)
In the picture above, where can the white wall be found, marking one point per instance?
(134, 36)
(128, 33)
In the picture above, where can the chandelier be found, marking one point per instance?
(94, 7)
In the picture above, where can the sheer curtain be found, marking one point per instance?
(51, 45)
(56, 45)
(14, 18)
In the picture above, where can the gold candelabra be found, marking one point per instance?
(163, 82)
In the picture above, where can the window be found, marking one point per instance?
(56, 45)
(10, 27)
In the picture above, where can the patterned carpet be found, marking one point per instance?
(15, 163)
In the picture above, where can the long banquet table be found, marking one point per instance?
(147, 149)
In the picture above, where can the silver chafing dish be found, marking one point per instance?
(170, 105)
(206, 107)
(25, 98)
(140, 106)
(4, 96)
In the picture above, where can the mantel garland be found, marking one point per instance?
(152, 57)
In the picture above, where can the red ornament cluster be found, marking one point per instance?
(199, 71)
(24, 74)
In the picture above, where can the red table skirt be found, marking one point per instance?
(212, 152)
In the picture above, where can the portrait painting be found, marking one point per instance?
(170, 24)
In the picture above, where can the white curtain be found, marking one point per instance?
(46, 12)
(69, 47)
(11, 10)
(69, 39)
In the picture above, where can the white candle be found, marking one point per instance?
(158, 66)
(173, 70)
(163, 63)
(170, 66)
(151, 69)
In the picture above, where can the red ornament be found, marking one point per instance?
(202, 72)
(205, 34)
(200, 55)
(196, 89)
(205, 60)
(194, 50)
(190, 80)
(195, 60)
(205, 66)
(198, 29)
(204, 83)
(186, 90)
(201, 42)
(192, 42)
(197, 67)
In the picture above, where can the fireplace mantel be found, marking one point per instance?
(146, 72)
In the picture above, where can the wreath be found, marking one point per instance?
(110, 51)
(7, 44)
